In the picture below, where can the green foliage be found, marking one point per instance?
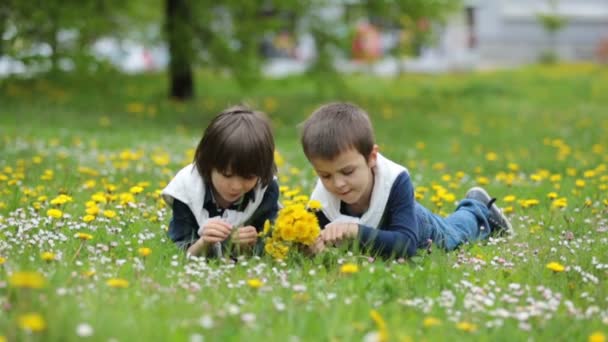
(67, 28)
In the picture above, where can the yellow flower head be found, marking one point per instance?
(314, 205)
(466, 326)
(83, 236)
(136, 189)
(349, 268)
(47, 256)
(255, 283)
(109, 213)
(88, 218)
(555, 267)
(431, 322)
(54, 213)
(118, 283)
(597, 336)
(25, 279)
(61, 199)
(144, 251)
(32, 322)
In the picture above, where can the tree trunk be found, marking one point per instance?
(179, 38)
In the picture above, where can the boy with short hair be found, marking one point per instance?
(368, 197)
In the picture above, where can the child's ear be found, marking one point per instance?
(373, 157)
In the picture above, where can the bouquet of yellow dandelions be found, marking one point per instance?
(296, 225)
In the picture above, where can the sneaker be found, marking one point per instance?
(499, 222)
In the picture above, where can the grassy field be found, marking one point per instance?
(535, 137)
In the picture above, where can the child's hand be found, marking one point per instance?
(216, 230)
(245, 236)
(334, 233)
(317, 247)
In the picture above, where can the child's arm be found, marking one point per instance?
(183, 227)
(183, 230)
(399, 235)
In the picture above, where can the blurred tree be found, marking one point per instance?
(55, 31)
(224, 36)
(179, 33)
(552, 23)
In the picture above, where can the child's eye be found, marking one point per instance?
(347, 172)
(325, 176)
(227, 175)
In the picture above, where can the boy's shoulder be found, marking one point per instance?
(389, 169)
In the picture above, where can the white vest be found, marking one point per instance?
(188, 187)
(385, 174)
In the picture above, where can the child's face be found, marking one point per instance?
(349, 176)
(230, 187)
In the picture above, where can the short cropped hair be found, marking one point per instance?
(238, 141)
(335, 128)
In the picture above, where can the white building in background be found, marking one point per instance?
(508, 32)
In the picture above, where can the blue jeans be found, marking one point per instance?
(468, 223)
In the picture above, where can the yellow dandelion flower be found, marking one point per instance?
(349, 268)
(26, 279)
(597, 336)
(481, 180)
(509, 198)
(2, 260)
(560, 203)
(118, 283)
(99, 197)
(431, 322)
(380, 324)
(54, 213)
(47, 256)
(83, 236)
(314, 205)
(466, 326)
(552, 195)
(491, 156)
(278, 159)
(89, 273)
(136, 189)
(61, 199)
(92, 210)
(32, 322)
(579, 183)
(88, 218)
(555, 267)
(255, 283)
(109, 213)
(144, 251)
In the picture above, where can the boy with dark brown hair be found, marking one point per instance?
(367, 197)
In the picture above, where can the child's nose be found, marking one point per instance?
(236, 185)
(339, 182)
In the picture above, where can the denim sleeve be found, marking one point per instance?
(183, 228)
(398, 235)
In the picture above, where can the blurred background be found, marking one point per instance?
(273, 39)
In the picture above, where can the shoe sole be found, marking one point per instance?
(493, 208)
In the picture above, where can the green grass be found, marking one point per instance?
(525, 133)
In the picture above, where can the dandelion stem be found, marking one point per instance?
(77, 251)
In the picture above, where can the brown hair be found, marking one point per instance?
(238, 140)
(334, 128)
